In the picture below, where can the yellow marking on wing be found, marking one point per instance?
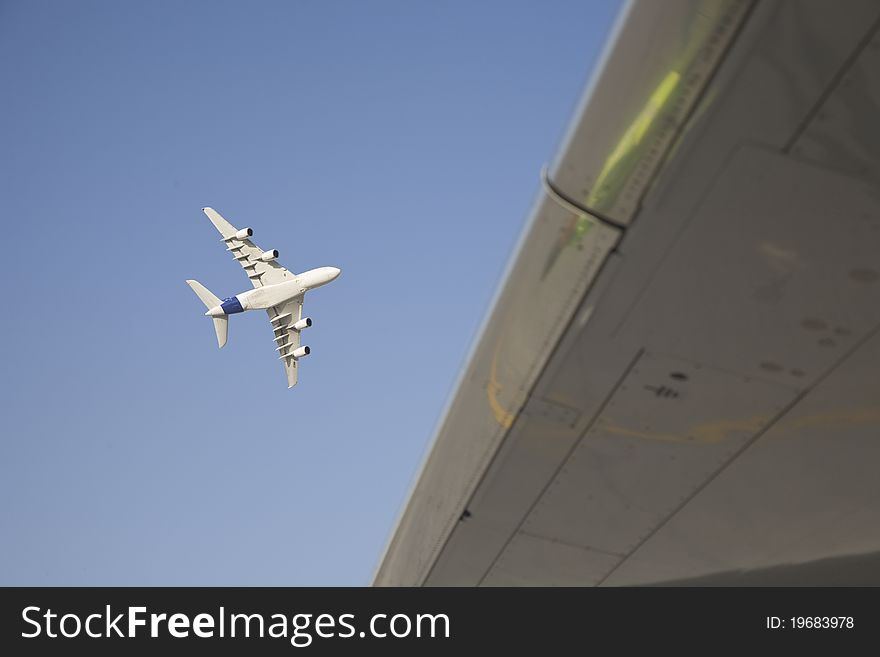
(707, 432)
(840, 419)
(502, 416)
(719, 430)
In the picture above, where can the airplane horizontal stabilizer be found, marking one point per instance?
(208, 298)
(221, 323)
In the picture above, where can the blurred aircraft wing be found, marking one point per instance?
(678, 378)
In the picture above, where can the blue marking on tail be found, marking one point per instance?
(231, 306)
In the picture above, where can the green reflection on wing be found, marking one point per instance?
(625, 156)
(617, 167)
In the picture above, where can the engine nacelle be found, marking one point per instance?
(244, 233)
(271, 254)
(304, 323)
(302, 352)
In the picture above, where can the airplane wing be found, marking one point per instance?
(677, 381)
(248, 254)
(286, 339)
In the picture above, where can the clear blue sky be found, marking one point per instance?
(399, 141)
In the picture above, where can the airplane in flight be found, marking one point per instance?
(276, 290)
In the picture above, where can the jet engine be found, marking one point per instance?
(304, 323)
(244, 233)
(301, 352)
(271, 254)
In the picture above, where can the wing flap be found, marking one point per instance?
(282, 318)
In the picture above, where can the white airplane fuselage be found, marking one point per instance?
(264, 297)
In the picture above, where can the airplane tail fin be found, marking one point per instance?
(221, 324)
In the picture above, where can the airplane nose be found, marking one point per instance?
(334, 273)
